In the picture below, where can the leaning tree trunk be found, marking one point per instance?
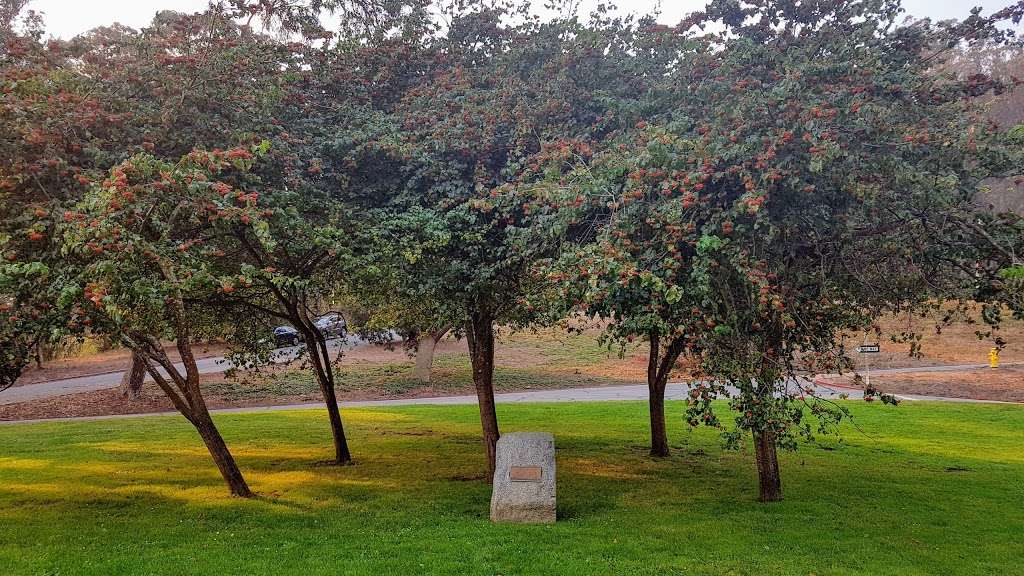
(342, 455)
(320, 359)
(480, 335)
(199, 414)
(425, 354)
(131, 382)
(220, 453)
(184, 392)
(767, 467)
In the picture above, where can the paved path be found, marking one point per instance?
(674, 391)
(113, 379)
(219, 364)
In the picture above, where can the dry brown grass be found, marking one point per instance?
(1005, 384)
(101, 363)
(955, 344)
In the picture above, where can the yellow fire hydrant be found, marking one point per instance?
(993, 358)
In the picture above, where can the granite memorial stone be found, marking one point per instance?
(524, 478)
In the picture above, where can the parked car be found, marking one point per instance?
(331, 325)
(286, 336)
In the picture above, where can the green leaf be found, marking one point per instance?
(708, 243)
(673, 295)
(1012, 273)
(817, 163)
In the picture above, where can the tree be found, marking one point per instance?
(53, 132)
(622, 281)
(415, 319)
(132, 270)
(426, 344)
(206, 81)
(812, 174)
(73, 110)
(329, 89)
(616, 263)
(502, 89)
(288, 278)
(80, 107)
(15, 21)
(1005, 108)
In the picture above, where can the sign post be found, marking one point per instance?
(868, 349)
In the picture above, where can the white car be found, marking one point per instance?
(331, 325)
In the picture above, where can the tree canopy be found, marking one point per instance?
(811, 174)
(745, 190)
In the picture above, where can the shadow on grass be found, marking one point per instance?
(136, 497)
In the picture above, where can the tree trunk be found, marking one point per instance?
(767, 467)
(186, 395)
(425, 354)
(341, 452)
(131, 382)
(659, 433)
(294, 306)
(184, 390)
(480, 334)
(321, 361)
(221, 455)
(656, 382)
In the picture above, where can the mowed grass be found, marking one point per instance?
(924, 489)
(451, 374)
(525, 360)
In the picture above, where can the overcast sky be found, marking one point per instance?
(66, 18)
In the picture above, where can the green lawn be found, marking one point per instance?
(547, 358)
(934, 489)
(451, 374)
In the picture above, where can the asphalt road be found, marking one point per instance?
(674, 391)
(113, 379)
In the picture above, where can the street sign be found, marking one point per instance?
(869, 349)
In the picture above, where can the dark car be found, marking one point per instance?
(286, 336)
(331, 325)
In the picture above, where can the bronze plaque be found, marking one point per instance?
(524, 473)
